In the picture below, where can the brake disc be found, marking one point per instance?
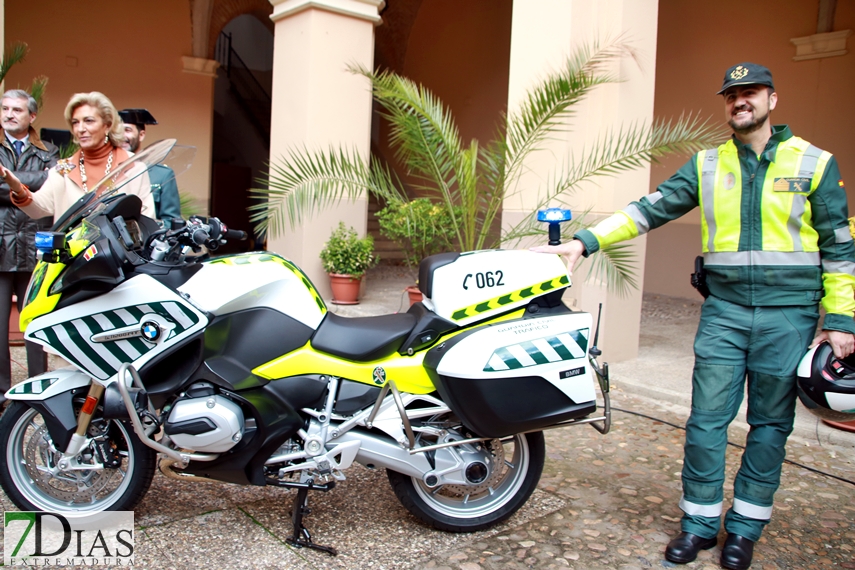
(70, 486)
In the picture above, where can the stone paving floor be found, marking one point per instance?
(603, 502)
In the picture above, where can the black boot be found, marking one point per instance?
(737, 552)
(685, 547)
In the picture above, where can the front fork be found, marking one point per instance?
(78, 440)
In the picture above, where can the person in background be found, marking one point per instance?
(776, 245)
(164, 191)
(97, 128)
(22, 152)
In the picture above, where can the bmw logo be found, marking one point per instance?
(150, 330)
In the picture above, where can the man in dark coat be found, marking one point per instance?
(22, 152)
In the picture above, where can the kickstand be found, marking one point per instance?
(301, 537)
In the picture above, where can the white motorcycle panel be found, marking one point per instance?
(49, 384)
(134, 322)
(229, 284)
(554, 348)
(481, 284)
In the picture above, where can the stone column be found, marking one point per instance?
(544, 34)
(318, 103)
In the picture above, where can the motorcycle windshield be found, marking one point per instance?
(176, 158)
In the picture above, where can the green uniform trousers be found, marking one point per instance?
(767, 343)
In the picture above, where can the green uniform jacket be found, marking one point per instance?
(164, 191)
(782, 241)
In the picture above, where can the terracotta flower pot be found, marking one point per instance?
(415, 294)
(345, 289)
(845, 426)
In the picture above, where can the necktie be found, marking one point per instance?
(19, 147)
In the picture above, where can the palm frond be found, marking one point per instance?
(422, 130)
(633, 146)
(550, 103)
(616, 266)
(38, 89)
(14, 54)
(305, 183)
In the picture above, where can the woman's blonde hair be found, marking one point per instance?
(106, 109)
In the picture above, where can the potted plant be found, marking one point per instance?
(346, 257)
(421, 228)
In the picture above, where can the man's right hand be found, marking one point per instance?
(572, 250)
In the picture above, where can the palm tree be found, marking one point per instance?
(16, 53)
(477, 178)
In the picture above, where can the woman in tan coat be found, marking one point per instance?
(97, 128)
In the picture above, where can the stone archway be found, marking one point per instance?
(209, 17)
(225, 11)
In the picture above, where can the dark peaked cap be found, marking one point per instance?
(137, 117)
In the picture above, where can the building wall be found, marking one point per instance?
(131, 51)
(697, 42)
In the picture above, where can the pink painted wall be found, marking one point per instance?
(90, 45)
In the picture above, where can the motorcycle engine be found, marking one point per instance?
(205, 421)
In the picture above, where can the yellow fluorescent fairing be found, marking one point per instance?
(407, 372)
(39, 302)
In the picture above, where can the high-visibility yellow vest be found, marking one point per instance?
(785, 235)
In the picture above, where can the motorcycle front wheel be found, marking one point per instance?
(457, 508)
(30, 475)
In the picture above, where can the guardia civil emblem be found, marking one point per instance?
(739, 72)
(379, 376)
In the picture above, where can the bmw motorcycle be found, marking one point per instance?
(233, 369)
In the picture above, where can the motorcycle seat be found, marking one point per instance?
(363, 339)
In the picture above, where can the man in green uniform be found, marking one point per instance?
(776, 244)
(167, 204)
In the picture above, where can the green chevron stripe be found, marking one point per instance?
(508, 298)
(53, 340)
(508, 358)
(534, 352)
(84, 347)
(114, 319)
(559, 347)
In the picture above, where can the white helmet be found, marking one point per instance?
(826, 385)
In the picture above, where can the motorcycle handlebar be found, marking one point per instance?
(234, 234)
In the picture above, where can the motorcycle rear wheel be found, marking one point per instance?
(28, 458)
(456, 511)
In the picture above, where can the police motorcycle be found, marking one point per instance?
(232, 369)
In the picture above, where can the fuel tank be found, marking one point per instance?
(235, 283)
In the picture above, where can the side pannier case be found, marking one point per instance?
(517, 376)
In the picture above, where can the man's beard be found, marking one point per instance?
(133, 144)
(749, 127)
(14, 129)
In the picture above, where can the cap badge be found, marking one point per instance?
(739, 72)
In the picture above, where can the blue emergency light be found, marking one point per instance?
(554, 217)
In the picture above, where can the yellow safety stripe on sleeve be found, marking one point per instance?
(839, 288)
(616, 228)
(510, 298)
